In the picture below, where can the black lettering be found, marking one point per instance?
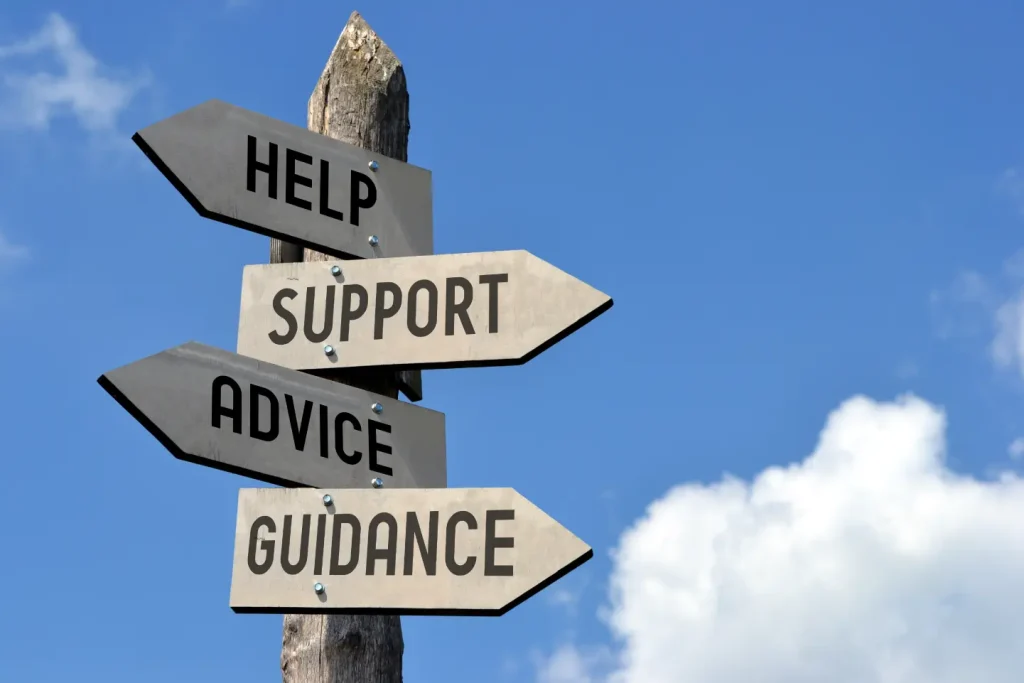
(291, 178)
(318, 555)
(324, 426)
(353, 556)
(286, 540)
(339, 437)
(266, 545)
(317, 337)
(382, 312)
(355, 201)
(348, 313)
(376, 447)
(234, 411)
(286, 316)
(427, 548)
(270, 168)
(449, 543)
(300, 426)
(325, 190)
(256, 392)
(492, 281)
(431, 289)
(492, 541)
(390, 553)
(461, 309)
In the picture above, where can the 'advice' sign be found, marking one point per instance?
(216, 408)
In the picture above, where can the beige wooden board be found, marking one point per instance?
(519, 306)
(491, 550)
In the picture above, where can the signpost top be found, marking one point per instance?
(216, 408)
(471, 552)
(267, 176)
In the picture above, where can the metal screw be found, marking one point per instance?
(373, 240)
(318, 588)
(373, 166)
(328, 500)
(377, 408)
(335, 270)
(329, 350)
(377, 483)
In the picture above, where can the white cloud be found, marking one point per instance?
(34, 98)
(868, 562)
(10, 252)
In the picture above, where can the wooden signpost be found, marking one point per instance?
(366, 527)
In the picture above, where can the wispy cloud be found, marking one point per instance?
(1016, 449)
(965, 307)
(1011, 185)
(33, 95)
(571, 664)
(11, 252)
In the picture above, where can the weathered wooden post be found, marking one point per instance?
(316, 412)
(362, 99)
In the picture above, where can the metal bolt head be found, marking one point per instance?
(378, 483)
(377, 408)
(329, 350)
(318, 588)
(328, 500)
(373, 240)
(373, 165)
(335, 270)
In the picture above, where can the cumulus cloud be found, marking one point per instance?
(35, 97)
(868, 562)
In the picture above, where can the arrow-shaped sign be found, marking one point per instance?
(473, 552)
(260, 174)
(216, 408)
(452, 310)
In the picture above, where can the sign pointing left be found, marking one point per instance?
(270, 177)
(216, 408)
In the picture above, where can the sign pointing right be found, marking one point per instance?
(472, 552)
(451, 310)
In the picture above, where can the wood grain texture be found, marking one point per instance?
(361, 98)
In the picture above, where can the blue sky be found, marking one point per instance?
(792, 206)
